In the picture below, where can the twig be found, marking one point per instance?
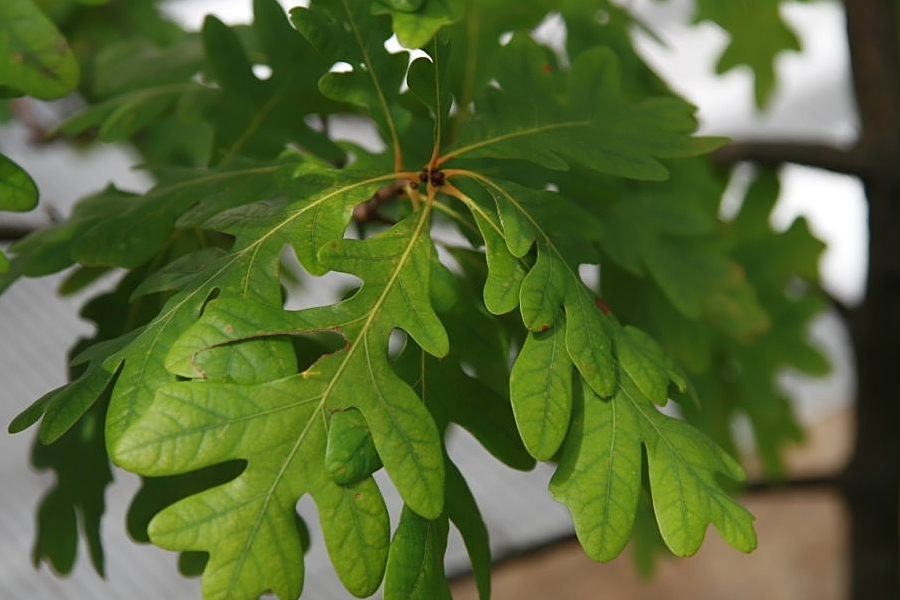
(817, 482)
(368, 210)
(774, 154)
(13, 233)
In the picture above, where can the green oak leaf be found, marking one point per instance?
(346, 31)
(18, 191)
(138, 63)
(476, 40)
(415, 569)
(505, 272)
(246, 324)
(121, 116)
(35, 59)
(251, 267)
(466, 517)
(257, 117)
(76, 500)
(599, 476)
(661, 231)
(238, 112)
(530, 217)
(645, 363)
(427, 80)
(791, 308)
(587, 123)
(350, 453)
(246, 525)
(758, 35)
(540, 387)
(416, 22)
(113, 242)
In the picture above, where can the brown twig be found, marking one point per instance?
(368, 210)
(774, 154)
(13, 233)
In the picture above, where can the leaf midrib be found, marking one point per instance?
(526, 132)
(373, 312)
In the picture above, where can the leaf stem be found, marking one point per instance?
(774, 154)
(438, 116)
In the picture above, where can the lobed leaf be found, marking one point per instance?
(416, 22)
(75, 503)
(758, 36)
(540, 387)
(592, 126)
(260, 117)
(600, 472)
(346, 31)
(282, 433)
(536, 217)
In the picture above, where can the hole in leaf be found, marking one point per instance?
(552, 33)
(262, 72)
(212, 295)
(590, 275)
(733, 196)
(671, 409)
(356, 130)
(341, 67)
(468, 369)
(312, 346)
(302, 290)
(396, 343)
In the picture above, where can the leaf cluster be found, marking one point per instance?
(508, 173)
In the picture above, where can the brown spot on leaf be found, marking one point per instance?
(602, 305)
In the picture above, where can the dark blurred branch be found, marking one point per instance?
(774, 154)
(368, 210)
(13, 233)
(819, 482)
(875, 66)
